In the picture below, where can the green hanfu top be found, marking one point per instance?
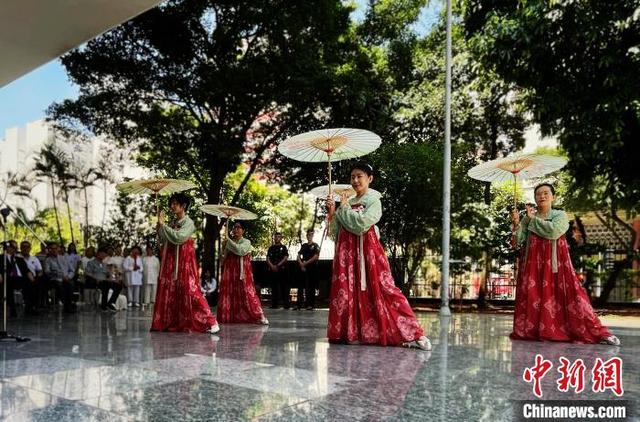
(551, 226)
(241, 248)
(357, 221)
(182, 232)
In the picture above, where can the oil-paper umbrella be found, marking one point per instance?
(155, 187)
(337, 191)
(330, 145)
(228, 212)
(517, 167)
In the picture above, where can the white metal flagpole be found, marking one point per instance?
(446, 179)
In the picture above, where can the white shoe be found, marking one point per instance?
(214, 329)
(264, 321)
(136, 305)
(611, 341)
(130, 304)
(422, 343)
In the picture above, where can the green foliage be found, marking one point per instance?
(202, 86)
(131, 223)
(579, 63)
(44, 225)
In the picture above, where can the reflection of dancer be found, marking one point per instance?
(365, 305)
(237, 297)
(384, 394)
(550, 303)
(180, 305)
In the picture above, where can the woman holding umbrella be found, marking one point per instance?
(180, 306)
(365, 305)
(238, 301)
(550, 302)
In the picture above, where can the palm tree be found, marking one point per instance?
(84, 179)
(47, 167)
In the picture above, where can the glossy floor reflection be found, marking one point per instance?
(95, 366)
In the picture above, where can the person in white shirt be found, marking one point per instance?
(133, 271)
(151, 271)
(115, 260)
(209, 287)
(35, 266)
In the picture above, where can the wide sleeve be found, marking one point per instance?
(241, 248)
(521, 231)
(334, 228)
(178, 236)
(358, 223)
(552, 228)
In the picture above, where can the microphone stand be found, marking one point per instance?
(4, 334)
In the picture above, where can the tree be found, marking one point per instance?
(129, 224)
(488, 121)
(578, 63)
(205, 85)
(46, 168)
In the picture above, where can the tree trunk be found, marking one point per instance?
(104, 204)
(212, 226)
(55, 211)
(611, 282)
(85, 234)
(486, 257)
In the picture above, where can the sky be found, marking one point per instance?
(27, 98)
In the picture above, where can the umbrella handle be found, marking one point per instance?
(329, 167)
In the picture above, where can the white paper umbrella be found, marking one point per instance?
(521, 166)
(155, 187)
(517, 166)
(514, 167)
(229, 212)
(330, 145)
(337, 190)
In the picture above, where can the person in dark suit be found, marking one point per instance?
(277, 257)
(18, 277)
(308, 263)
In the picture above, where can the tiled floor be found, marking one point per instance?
(95, 366)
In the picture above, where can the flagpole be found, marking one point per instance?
(446, 180)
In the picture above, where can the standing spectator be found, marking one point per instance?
(60, 274)
(308, 263)
(277, 257)
(132, 267)
(97, 270)
(35, 267)
(18, 277)
(150, 273)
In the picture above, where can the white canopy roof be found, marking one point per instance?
(34, 32)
